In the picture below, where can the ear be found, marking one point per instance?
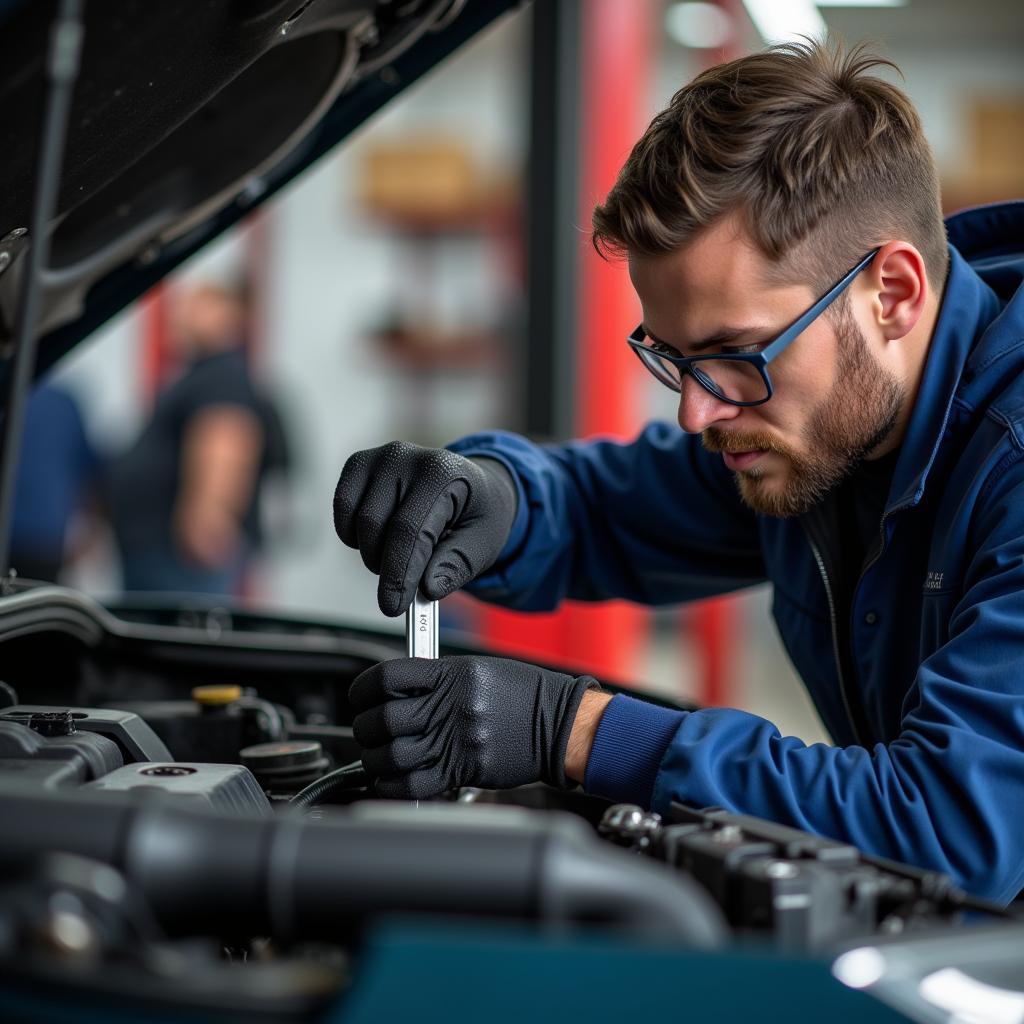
(899, 282)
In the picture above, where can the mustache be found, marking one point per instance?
(732, 442)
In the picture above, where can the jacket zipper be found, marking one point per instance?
(835, 641)
(881, 543)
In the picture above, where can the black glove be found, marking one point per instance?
(423, 516)
(429, 726)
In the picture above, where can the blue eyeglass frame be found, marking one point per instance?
(759, 360)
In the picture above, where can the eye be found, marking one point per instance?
(755, 346)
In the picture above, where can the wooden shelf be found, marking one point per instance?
(427, 350)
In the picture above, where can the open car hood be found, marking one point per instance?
(185, 117)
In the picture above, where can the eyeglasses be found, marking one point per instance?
(739, 378)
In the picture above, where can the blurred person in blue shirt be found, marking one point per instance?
(57, 479)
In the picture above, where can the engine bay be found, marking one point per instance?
(181, 787)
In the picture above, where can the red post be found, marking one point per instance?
(715, 622)
(157, 357)
(617, 61)
(256, 271)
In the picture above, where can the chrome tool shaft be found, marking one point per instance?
(421, 628)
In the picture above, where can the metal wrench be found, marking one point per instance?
(421, 628)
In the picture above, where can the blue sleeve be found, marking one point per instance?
(946, 794)
(657, 520)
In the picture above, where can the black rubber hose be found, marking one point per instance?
(302, 880)
(349, 776)
(592, 882)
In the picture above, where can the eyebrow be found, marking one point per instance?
(721, 337)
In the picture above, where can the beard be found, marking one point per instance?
(859, 412)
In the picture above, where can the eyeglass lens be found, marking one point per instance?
(731, 379)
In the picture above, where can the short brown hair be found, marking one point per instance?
(823, 160)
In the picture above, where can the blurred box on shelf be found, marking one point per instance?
(430, 183)
(994, 154)
(998, 129)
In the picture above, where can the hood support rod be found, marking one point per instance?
(61, 72)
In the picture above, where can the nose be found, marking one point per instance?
(699, 409)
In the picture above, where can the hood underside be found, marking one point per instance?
(185, 117)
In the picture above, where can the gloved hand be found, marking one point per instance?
(423, 514)
(429, 726)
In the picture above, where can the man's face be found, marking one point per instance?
(833, 402)
(209, 319)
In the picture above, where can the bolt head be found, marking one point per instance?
(780, 869)
(69, 934)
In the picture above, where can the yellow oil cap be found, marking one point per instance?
(215, 696)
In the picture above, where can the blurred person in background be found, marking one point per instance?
(57, 486)
(184, 498)
(850, 379)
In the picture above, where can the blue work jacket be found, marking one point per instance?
(928, 762)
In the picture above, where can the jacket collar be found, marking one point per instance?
(968, 307)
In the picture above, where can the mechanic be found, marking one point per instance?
(184, 497)
(851, 396)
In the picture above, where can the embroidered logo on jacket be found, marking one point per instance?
(934, 581)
